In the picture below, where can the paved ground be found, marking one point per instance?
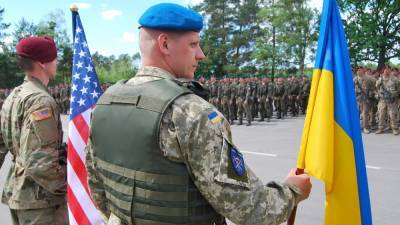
(271, 150)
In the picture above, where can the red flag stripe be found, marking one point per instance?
(82, 127)
(76, 209)
(78, 165)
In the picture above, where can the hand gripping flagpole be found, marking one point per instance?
(293, 214)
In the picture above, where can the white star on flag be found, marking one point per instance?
(79, 64)
(89, 69)
(84, 90)
(95, 94)
(86, 79)
(82, 53)
(76, 76)
(81, 102)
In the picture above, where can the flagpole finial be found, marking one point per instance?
(74, 8)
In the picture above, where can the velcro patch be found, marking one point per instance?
(41, 114)
(214, 117)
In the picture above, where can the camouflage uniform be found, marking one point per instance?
(255, 105)
(389, 91)
(367, 93)
(35, 189)
(248, 103)
(214, 97)
(188, 136)
(240, 99)
(279, 98)
(293, 93)
(262, 93)
(270, 100)
(225, 98)
(304, 94)
(232, 102)
(357, 86)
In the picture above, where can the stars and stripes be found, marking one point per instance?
(85, 91)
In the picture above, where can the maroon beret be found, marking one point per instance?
(42, 49)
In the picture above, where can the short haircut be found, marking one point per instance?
(24, 63)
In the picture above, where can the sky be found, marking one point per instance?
(111, 27)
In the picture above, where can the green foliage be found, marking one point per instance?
(110, 70)
(373, 30)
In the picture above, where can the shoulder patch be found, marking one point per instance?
(214, 117)
(237, 161)
(41, 114)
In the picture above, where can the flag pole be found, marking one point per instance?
(74, 10)
(292, 216)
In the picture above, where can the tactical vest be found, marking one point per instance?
(141, 185)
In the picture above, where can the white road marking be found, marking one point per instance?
(374, 167)
(259, 153)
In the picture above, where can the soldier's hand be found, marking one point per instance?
(302, 182)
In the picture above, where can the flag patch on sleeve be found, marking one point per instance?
(214, 117)
(41, 114)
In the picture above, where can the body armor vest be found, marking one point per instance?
(142, 186)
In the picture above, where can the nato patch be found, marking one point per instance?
(237, 161)
(214, 117)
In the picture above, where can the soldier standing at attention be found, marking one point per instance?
(179, 163)
(240, 98)
(389, 90)
(35, 189)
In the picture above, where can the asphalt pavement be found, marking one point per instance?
(271, 148)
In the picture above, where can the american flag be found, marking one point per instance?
(85, 91)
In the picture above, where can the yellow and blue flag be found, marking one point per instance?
(331, 149)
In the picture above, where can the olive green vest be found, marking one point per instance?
(142, 186)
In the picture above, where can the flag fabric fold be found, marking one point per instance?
(331, 149)
(85, 91)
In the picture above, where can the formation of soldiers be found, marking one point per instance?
(378, 97)
(254, 97)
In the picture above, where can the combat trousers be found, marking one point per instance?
(248, 104)
(304, 103)
(262, 102)
(56, 215)
(367, 114)
(390, 108)
(225, 107)
(215, 102)
(232, 109)
(240, 109)
(269, 107)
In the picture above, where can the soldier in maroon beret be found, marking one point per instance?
(35, 189)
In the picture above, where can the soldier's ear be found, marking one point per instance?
(163, 41)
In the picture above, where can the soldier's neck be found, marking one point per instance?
(38, 75)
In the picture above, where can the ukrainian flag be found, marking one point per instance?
(331, 148)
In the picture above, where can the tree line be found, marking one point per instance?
(109, 68)
(275, 37)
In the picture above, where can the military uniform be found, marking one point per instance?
(293, 93)
(232, 102)
(206, 179)
(279, 98)
(262, 93)
(240, 99)
(248, 103)
(304, 95)
(35, 189)
(367, 94)
(225, 99)
(389, 92)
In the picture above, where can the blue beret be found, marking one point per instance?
(169, 16)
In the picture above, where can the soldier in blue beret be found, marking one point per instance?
(159, 153)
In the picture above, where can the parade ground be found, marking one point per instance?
(271, 149)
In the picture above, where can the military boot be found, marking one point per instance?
(366, 131)
(240, 121)
(379, 131)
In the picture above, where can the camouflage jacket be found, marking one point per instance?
(32, 133)
(187, 135)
